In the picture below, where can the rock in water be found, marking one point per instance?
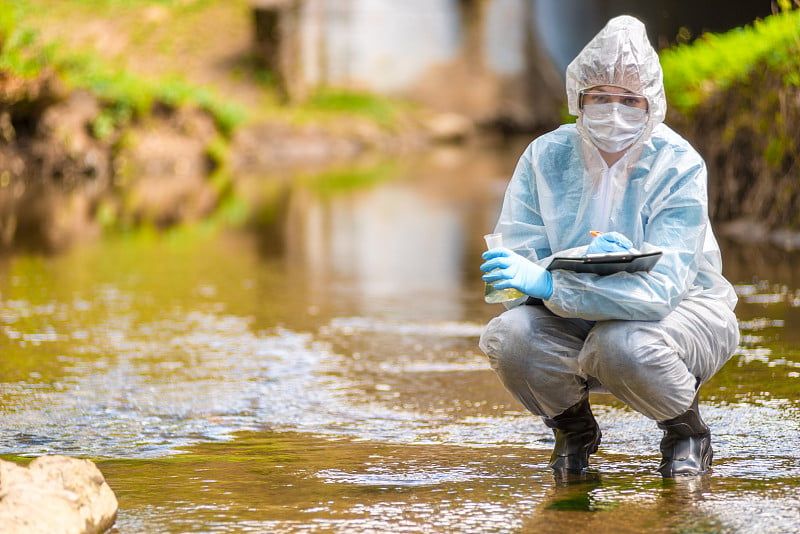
(55, 495)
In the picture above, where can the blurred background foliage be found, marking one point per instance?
(166, 34)
(730, 93)
(716, 61)
(126, 94)
(163, 45)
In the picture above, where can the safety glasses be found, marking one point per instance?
(591, 96)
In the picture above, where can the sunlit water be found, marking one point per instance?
(318, 372)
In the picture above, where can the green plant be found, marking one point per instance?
(124, 95)
(715, 61)
(20, 52)
(337, 180)
(379, 109)
(130, 95)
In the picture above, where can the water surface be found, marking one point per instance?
(316, 370)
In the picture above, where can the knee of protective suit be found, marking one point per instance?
(606, 344)
(500, 334)
(636, 362)
(618, 352)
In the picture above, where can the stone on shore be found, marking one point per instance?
(55, 495)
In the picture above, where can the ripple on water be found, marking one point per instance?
(353, 325)
(756, 512)
(383, 476)
(152, 388)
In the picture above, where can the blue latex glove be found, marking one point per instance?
(609, 242)
(505, 268)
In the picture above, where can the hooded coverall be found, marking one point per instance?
(649, 338)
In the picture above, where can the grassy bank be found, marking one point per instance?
(736, 96)
(717, 62)
(105, 108)
(125, 94)
(135, 54)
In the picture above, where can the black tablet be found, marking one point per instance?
(611, 263)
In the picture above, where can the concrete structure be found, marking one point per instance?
(498, 61)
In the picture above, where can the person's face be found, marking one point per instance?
(604, 94)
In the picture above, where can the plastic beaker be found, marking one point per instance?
(492, 295)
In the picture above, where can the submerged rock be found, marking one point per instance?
(55, 494)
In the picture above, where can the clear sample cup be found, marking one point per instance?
(492, 295)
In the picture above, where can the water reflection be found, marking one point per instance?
(347, 238)
(405, 245)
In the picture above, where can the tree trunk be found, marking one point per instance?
(277, 44)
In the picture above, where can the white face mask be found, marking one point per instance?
(613, 126)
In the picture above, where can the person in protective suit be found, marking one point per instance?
(649, 338)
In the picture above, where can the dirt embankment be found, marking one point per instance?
(749, 135)
(61, 182)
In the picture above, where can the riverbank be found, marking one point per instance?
(102, 131)
(736, 96)
(62, 181)
(145, 114)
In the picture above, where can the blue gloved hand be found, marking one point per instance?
(505, 268)
(609, 242)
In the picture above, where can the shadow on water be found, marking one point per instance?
(319, 372)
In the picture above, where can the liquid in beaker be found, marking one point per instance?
(492, 295)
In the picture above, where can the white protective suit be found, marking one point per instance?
(649, 338)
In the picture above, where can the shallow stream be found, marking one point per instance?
(317, 371)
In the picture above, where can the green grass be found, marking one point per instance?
(379, 109)
(130, 95)
(20, 51)
(716, 61)
(125, 95)
(336, 181)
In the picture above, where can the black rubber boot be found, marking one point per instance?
(577, 436)
(686, 445)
